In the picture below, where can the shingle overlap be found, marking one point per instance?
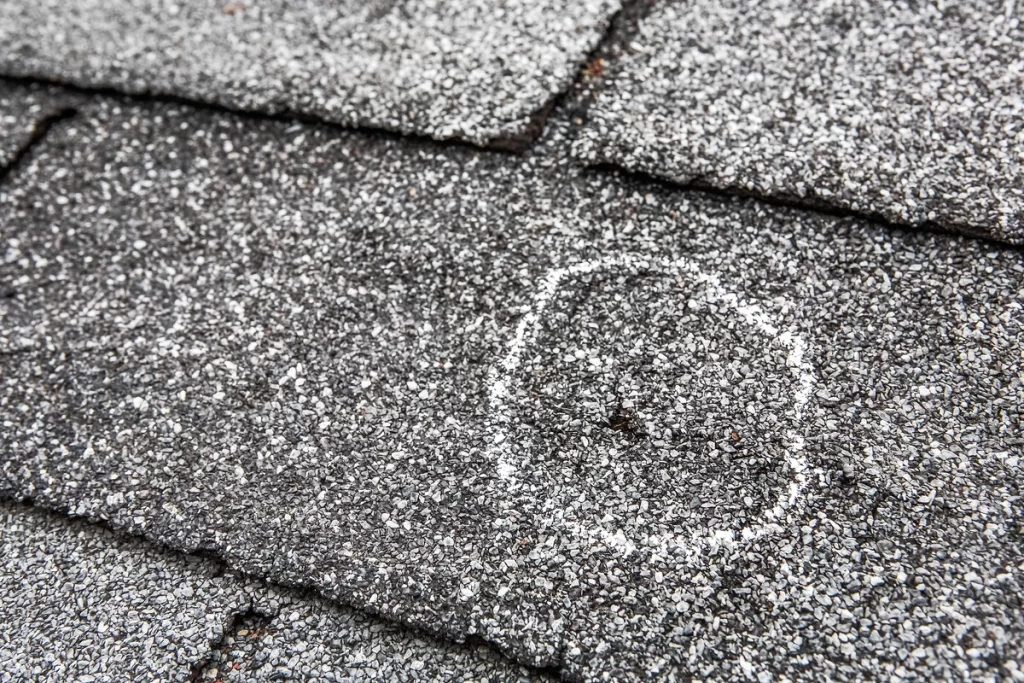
(477, 70)
(911, 111)
(80, 603)
(611, 428)
(24, 110)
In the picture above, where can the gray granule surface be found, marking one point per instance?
(294, 637)
(911, 111)
(478, 70)
(78, 603)
(23, 109)
(610, 428)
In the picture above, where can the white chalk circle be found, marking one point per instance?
(508, 453)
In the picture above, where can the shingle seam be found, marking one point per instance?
(811, 205)
(40, 130)
(622, 25)
(254, 608)
(282, 116)
(72, 521)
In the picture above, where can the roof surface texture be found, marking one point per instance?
(494, 417)
(909, 111)
(79, 603)
(478, 70)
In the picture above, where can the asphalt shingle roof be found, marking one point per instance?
(612, 427)
(25, 110)
(471, 69)
(80, 603)
(605, 426)
(911, 111)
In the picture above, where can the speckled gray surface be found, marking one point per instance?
(911, 111)
(298, 637)
(611, 428)
(23, 109)
(478, 70)
(78, 603)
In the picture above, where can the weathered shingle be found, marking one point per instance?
(24, 110)
(78, 602)
(477, 70)
(611, 428)
(911, 111)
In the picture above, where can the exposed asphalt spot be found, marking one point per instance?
(245, 624)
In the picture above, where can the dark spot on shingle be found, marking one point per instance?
(625, 421)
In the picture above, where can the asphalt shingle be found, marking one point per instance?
(478, 70)
(23, 109)
(911, 111)
(311, 639)
(611, 428)
(77, 603)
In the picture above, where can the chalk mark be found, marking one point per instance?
(501, 378)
